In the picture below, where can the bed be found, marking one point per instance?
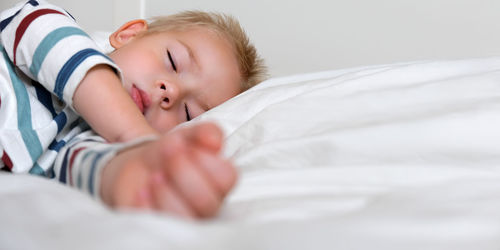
(396, 156)
(390, 156)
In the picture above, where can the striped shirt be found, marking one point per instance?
(44, 56)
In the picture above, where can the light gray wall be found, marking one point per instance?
(86, 12)
(304, 36)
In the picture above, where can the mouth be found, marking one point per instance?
(140, 98)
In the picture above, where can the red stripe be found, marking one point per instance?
(71, 160)
(6, 160)
(26, 22)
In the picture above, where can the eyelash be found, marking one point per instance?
(171, 61)
(188, 116)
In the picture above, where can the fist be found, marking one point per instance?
(180, 173)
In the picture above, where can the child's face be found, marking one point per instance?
(177, 75)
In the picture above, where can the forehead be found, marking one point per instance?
(219, 69)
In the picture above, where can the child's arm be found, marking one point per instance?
(180, 172)
(45, 43)
(108, 109)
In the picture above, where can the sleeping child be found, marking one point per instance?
(55, 83)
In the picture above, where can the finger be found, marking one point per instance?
(220, 172)
(207, 135)
(171, 145)
(166, 199)
(193, 186)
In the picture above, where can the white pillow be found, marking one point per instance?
(102, 40)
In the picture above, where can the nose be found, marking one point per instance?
(169, 94)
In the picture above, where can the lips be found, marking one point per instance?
(140, 98)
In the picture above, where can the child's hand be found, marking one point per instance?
(180, 173)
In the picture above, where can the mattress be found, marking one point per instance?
(398, 156)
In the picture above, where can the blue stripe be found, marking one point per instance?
(84, 158)
(79, 181)
(48, 43)
(61, 120)
(33, 3)
(6, 21)
(37, 170)
(24, 122)
(76, 123)
(82, 124)
(56, 145)
(62, 175)
(50, 173)
(70, 15)
(70, 66)
(93, 169)
(45, 97)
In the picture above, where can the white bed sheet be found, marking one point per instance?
(400, 156)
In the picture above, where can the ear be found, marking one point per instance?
(127, 32)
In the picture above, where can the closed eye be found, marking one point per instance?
(171, 61)
(188, 116)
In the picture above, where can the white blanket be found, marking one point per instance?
(402, 156)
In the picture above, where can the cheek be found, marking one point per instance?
(163, 122)
(140, 64)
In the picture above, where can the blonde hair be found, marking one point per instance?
(251, 65)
